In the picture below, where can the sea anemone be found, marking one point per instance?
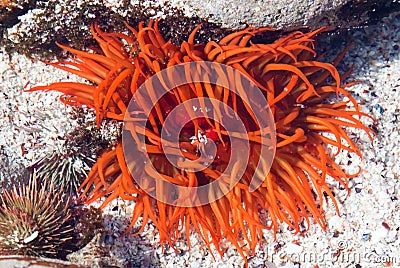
(296, 87)
(35, 221)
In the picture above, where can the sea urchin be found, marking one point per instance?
(35, 221)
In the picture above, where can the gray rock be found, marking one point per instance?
(288, 14)
(33, 262)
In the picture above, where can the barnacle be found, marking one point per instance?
(296, 87)
(34, 220)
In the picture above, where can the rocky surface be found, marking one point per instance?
(31, 262)
(32, 27)
(288, 14)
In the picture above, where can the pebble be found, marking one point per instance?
(378, 234)
(292, 248)
(3, 67)
(366, 236)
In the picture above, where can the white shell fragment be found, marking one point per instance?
(32, 237)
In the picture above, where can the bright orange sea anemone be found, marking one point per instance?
(296, 87)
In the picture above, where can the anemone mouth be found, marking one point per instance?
(197, 127)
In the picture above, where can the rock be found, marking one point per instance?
(288, 14)
(27, 30)
(11, 9)
(25, 261)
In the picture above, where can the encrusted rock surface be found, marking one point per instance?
(287, 14)
(32, 27)
(32, 262)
